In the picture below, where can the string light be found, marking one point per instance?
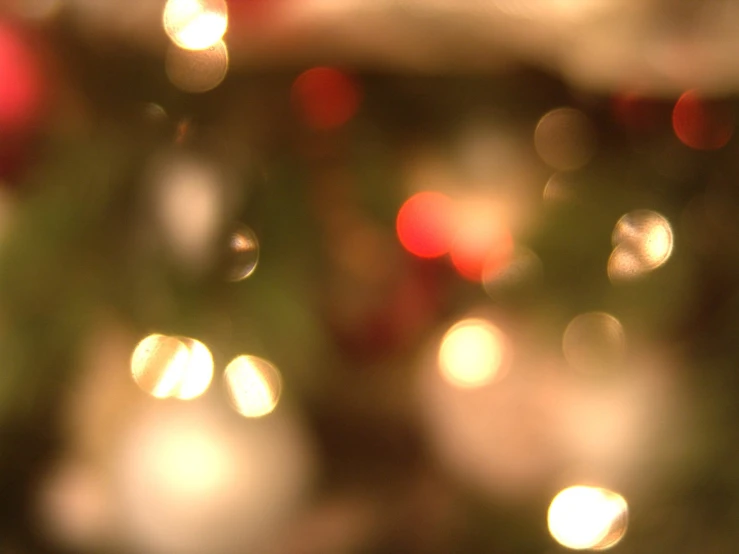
(593, 342)
(565, 139)
(701, 123)
(472, 353)
(254, 386)
(582, 518)
(643, 241)
(197, 71)
(195, 24)
(425, 224)
(243, 254)
(325, 98)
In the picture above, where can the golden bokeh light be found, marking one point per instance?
(254, 386)
(198, 372)
(587, 518)
(243, 254)
(594, 342)
(158, 364)
(197, 71)
(472, 353)
(195, 24)
(643, 241)
(167, 367)
(565, 139)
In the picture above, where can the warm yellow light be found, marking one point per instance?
(584, 518)
(254, 385)
(158, 364)
(167, 367)
(198, 372)
(195, 24)
(197, 71)
(643, 241)
(471, 353)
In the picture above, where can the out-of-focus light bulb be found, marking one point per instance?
(425, 224)
(472, 353)
(197, 71)
(325, 97)
(198, 372)
(158, 364)
(243, 254)
(254, 386)
(167, 367)
(702, 124)
(594, 342)
(643, 241)
(565, 139)
(195, 24)
(583, 518)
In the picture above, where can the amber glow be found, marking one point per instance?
(172, 367)
(584, 518)
(701, 123)
(254, 385)
(197, 71)
(472, 353)
(195, 24)
(643, 241)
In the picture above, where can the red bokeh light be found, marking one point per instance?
(325, 97)
(425, 224)
(481, 243)
(701, 123)
(639, 113)
(20, 83)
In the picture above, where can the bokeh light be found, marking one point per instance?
(565, 139)
(158, 364)
(254, 385)
(198, 372)
(22, 83)
(195, 24)
(197, 71)
(243, 254)
(702, 123)
(482, 240)
(643, 241)
(524, 268)
(177, 367)
(472, 353)
(325, 98)
(425, 224)
(594, 342)
(582, 518)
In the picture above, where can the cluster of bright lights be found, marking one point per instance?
(254, 386)
(642, 241)
(472, 353)
(472, 232)
(172, 367)
(587, 518)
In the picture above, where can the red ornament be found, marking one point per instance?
(325, 98)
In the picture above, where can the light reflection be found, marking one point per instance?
(643, 241)
(197, 71)
(594, 342)
(565, 139)
(584, 517)
(243, 254)
(254, 386)
(195, 24)
(472, 353)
